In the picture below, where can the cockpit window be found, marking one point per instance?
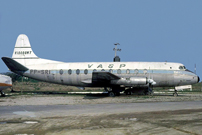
(182, 67)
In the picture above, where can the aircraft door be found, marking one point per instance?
(51, 76)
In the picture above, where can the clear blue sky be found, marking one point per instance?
(85, 31)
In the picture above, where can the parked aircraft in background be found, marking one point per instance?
(113, 76)
(5, 82)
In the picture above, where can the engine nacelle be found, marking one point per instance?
(130, 81)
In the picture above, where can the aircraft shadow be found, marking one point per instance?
(95, 96)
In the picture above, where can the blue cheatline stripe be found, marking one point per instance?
(125, 71)
(27, 58)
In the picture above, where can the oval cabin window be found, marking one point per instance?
(86, 71)
(110, 70)
(119, 71)
(69, 71)
(136, 71)
(77, 71)
(61, 71)
(127, 71)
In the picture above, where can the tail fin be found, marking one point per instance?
(23, 49)
(23, 52)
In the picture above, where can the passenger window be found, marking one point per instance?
(119, 71)
(136, 71)
(86, 71)
(110, 70)
(94, 70)
(69, 71)
(127, 71)
(61, 71)
(102, 70)
(145, 71)
(77, 71)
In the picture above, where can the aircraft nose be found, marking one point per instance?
(198, 79)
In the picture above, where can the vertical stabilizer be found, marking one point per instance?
(23, 52)
(24, 55)
(23, 49)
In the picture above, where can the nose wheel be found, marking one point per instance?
(175, 94)
(149, 90)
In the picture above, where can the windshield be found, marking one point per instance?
(182, 67)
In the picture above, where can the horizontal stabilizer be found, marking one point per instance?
(14, 65)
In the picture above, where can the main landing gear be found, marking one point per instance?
(112, 92)
(3, 94)
(115, 91)
(127, 92)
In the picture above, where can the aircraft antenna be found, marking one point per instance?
(115, 49)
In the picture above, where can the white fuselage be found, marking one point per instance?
(164, 73)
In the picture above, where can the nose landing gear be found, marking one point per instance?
(175, 94)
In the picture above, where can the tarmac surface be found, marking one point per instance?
(94, 109)
(180, 118)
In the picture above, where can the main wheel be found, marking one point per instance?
(150, 93)
(128, 92)
(3, 94)
(111, 94)
(117, 93)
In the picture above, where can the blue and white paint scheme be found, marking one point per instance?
(113, 76)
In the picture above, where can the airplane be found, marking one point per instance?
(114, 77)
(5, 82)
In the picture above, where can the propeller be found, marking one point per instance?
(151, 81)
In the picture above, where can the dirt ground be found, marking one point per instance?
(170, 122)
(179, 122)
(65, 99)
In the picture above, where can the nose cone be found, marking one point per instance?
(198, 79)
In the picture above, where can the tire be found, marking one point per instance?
(150, 93)
(117, 93)
(3, 94)
(111, 94)
(128, 92)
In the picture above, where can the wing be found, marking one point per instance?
(104, 76)
(101, 77)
